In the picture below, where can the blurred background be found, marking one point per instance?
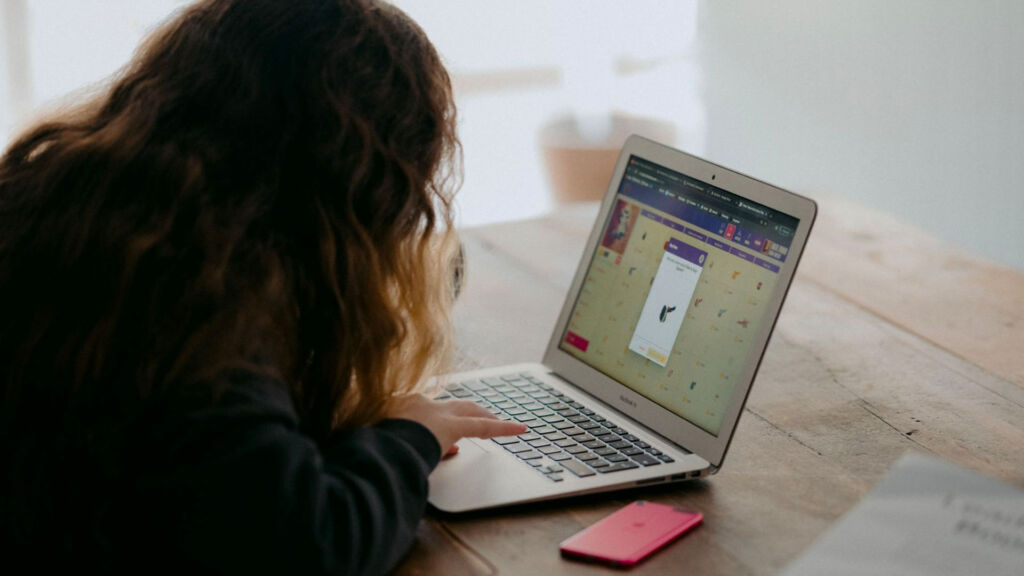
(915, 107)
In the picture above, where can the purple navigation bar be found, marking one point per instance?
(694, 234)
(713, 223)
(651, 215)
(742, 254)
(674, 225)
(698, 256)
(766, 264)
(718, 244)
(686, 252)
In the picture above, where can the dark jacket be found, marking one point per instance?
(233, 486)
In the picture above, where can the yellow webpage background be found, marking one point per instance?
(714, 342)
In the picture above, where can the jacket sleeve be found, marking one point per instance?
(238, 488)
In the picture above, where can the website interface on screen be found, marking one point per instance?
(677, 289)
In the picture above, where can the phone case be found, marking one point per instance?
(630, 534)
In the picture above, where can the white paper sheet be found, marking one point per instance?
(926, 517)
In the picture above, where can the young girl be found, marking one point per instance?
(222, 284)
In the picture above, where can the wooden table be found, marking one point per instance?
(889, 341)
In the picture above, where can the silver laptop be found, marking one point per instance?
(656, 347)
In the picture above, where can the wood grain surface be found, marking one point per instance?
(890, 340)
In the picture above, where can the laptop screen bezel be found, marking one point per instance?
(652, 415)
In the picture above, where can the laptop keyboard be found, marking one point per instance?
(564, 435)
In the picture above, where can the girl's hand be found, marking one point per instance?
(453, 419)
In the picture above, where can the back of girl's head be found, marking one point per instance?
(264, 187)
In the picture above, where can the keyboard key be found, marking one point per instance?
(594, 444)
(608, 423)
(556, 406)
(619, 431)
(589, 425)
(531, 406)
(578, 419)
(585, 438)
(476, 385)
(565, 443)
(646, 460)
(578, 468)
(461, 393)
(503, 440)
(531, 455)
(642, 444)
(452, 386)
(527, 417)
(586, 456)
(627, 465)
(493, 382)
(515, 411)
(518, 447)
(526, 437)
(606, 451)
(536, 424)
(575, 449)
(576, 405)
(443, 397)
(633, 451)
(538, 442)
(505, 404)
(653, 451)
(549, 450)
(515, 396)
(598, 464)
(606, 437)
(620, 444)
(563, 425)
(615, 458)
(552, 418)
(553, 436)
(586, 411)
(665, 458)
(629, 437)
(597, 418)
(566, 412)
(544, 429)
(511, 377)
(572, 430)
(559, 457)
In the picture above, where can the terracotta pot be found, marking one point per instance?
(580, 153)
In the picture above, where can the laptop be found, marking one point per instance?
(653, 355)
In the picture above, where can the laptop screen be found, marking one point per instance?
(677, 289)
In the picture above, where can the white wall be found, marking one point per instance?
(915, 107)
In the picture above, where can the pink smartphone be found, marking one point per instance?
(630, 534)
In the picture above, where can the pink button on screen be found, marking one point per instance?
(575, 340)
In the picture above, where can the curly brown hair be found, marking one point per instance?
(267, 185)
